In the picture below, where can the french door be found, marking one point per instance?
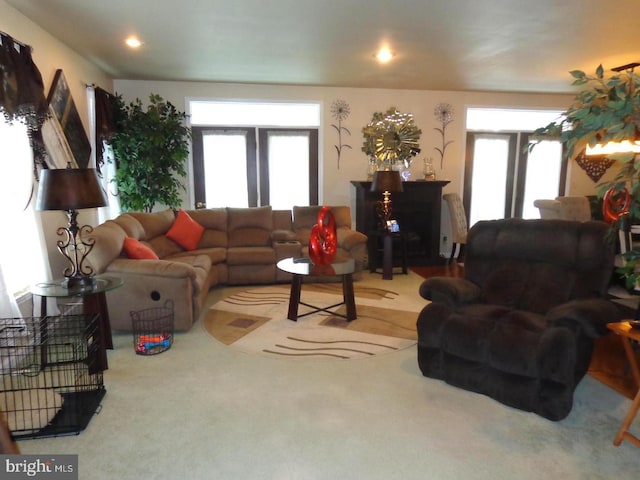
(248, 167)
(502, 179)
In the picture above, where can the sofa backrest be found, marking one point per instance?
(304, 218)
(214, 220)
(282, 220)
(537, 264)
(155, 225)
(249, 227)
(108, 238)
(132, 226)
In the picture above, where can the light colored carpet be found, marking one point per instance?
(202, 410)
(255, 320)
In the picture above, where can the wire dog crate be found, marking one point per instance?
(50, 379)
(153, 329)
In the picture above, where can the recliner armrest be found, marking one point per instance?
(450, 291)
(159, 268)
(589, 316)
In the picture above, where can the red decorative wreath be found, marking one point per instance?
(323, 243)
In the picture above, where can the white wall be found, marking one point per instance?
(49, 55)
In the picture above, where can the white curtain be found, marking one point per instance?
(8, 305)
(24, 259)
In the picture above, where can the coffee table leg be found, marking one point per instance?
(294, 297)
(347, 293)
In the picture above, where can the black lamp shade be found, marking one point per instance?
(386, 181)
(70, 189)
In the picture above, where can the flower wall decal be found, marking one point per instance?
(391, 138)
(340, 111)
(444, 114)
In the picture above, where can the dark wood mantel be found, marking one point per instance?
(417, 210)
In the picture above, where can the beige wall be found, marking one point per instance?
(49, 55)
(335, 188)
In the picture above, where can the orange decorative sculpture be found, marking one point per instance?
(615, 203)
(323, 243)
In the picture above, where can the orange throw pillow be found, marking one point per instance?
(138, 250)
(185, 231)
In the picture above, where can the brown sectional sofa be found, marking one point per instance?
(239, 246)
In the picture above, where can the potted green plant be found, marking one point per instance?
(151, 147)
(606, 111)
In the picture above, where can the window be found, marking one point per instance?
(20, 255)
(502, 179)
(252, 154)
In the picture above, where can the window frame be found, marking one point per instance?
(263, 135)
(518, 156)
(257, 162)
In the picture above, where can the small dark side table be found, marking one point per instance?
(387, 239)
(94, 301)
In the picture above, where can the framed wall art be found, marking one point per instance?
(64, 135)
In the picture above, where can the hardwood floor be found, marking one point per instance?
(451, 269)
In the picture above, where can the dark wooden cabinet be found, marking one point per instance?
(417, 209)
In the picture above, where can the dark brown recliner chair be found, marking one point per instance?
(520, 326)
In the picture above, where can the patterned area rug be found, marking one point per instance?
(255, 320)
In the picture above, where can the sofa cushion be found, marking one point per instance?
(214, 220)
(250, 227)
(201, 266)
(282, 220)
(163, 246)
(138, 250)
(154, 224)
(185, 231)
(307, 217)
(108, 239)
(132, 227)
(304, 218)
(284, 236)
(216, 254)
(251, 256)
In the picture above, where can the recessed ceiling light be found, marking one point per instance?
(384, 55)
(133, 42)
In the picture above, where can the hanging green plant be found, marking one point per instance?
(607, 109)
(151, 148)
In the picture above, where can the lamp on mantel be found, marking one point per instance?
(72, 189)
(387, 182)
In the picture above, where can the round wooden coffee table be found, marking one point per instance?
(303, 267)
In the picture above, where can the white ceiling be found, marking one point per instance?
(493, 45)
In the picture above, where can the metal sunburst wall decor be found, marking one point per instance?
(444, 114)
(391, 138)
(340, 111)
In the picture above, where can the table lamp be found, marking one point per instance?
(71, 189)
(385, 181)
